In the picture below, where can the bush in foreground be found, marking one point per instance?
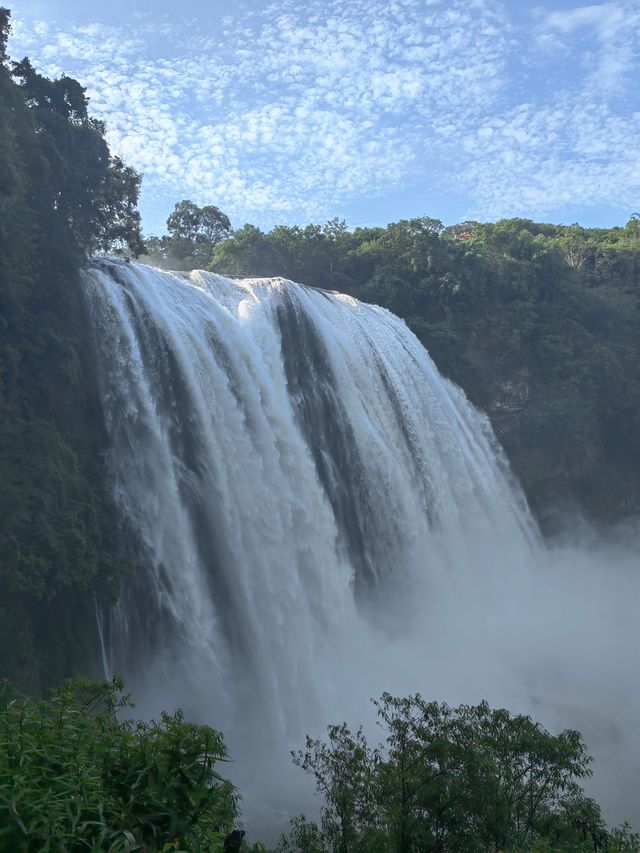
(75, 776)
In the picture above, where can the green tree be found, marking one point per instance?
(214, 227)
(86, 199)
(247, 253)
(195, 231)
(448, 779)
(343, 771)
(5, 30)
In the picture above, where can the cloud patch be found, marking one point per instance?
(287, 113)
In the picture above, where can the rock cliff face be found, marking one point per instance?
(567, 472)
(552, 417)
(508, 405)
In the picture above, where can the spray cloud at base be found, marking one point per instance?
(319, 516)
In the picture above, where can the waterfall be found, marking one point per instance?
(316, 512)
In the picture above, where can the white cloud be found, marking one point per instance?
(604, 37)
(603, 16)
(569, 154)
(290, 112)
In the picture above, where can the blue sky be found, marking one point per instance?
(368, 110)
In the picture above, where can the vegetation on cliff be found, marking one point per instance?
(62, 197)
(193, 234)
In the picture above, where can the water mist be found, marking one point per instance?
(319, 516)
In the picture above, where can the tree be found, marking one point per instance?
(447, 779)
(471, 777)
(195, 231)
(214, 227)
(184, 222)
(85, 197)
(5, 30)
(247, 253)
(343, 770)
(62, 197)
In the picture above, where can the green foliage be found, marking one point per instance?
(193, 234)
(62, 196)
(248, 253)
(85, 199)
(343, 770)
(5, 29)
(448, 779)
(75, 775)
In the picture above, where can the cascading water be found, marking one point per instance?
(317, 513)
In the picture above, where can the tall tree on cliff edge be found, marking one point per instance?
(195, 231)
(85, 198)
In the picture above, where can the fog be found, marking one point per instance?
(560, 644)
